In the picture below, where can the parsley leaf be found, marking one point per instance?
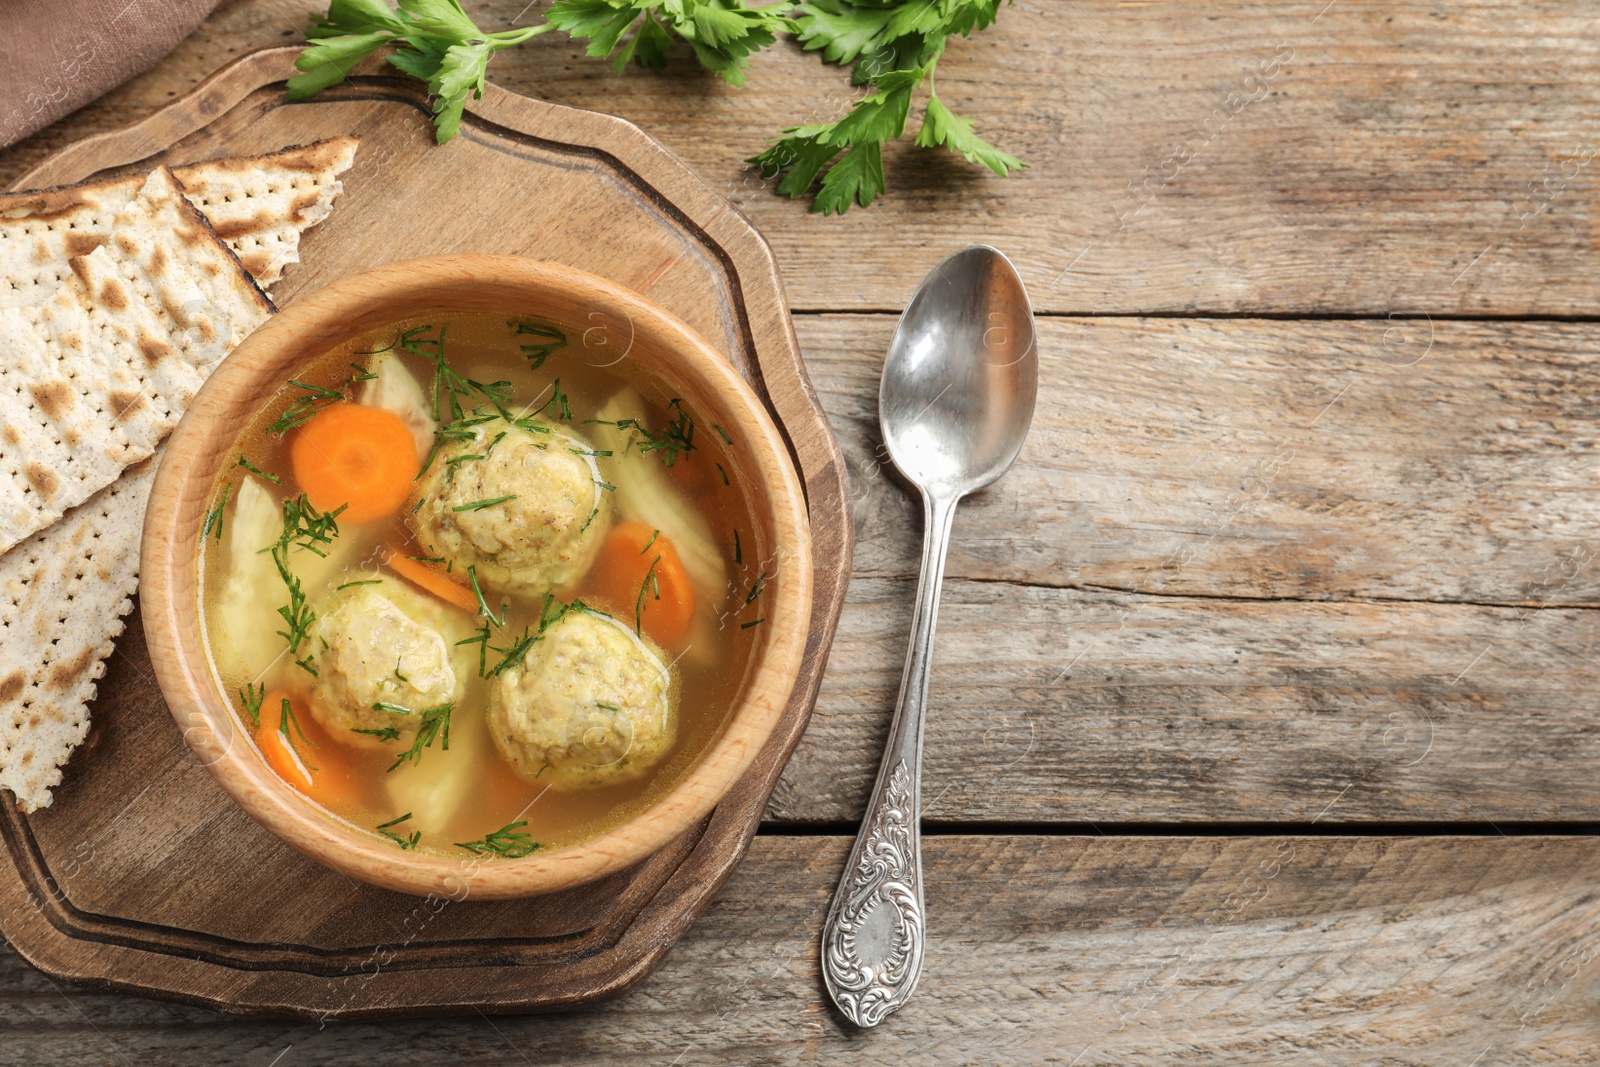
(435, 41)
(894, 47)
(722, 33)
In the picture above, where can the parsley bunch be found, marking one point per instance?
(894, 47)
(437, 43)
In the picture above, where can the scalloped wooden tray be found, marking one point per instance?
(143, 876)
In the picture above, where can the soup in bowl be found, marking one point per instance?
(476, 576)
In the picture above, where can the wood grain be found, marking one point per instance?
(1061, 705)
(1385, 165)
(1319, 460)
(1042, 950)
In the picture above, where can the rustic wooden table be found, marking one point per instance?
(1259, 726)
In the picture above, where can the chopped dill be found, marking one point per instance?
(305, 528)
(427, 559)
(724, 475)
(435, 726)
(738, 551)
(214, 518)
(653, 535)
(478, 505)
(405, 843)
(384, 705)
(482, 641)
(752, 622)
(608, 707)
(605, 485)
(590, 451)
(508, 842)
(587, 521)
(755, 588)
(539, 351)
(378, 351)
(557, 405)
(513, 654)
(397, 673)
(483, 605)
(287, 721)
(300, 411)
(361, 374)
(421, 500)
(668, 444)
(382, 733)
(462, 459)
(352, 585)
(722, 434)
(244, 461)
(648, 585)
(252, 698)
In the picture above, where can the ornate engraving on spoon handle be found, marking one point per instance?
(872, 940)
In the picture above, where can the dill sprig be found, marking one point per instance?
(252, 697)
(650, 584)
(378, 351)
(508, 842)
(305, 528)
(361, 374)
(557, 405)
(669, 444)
(435, 725)
(300, 411)
(483, 633)
(550, 339)
(406, 843)
(288, 726)
(244, 461)
(382, 733)
(214, 517)
(479, 505)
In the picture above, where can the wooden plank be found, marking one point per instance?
(1316, 459)
(1227, 157)
(1084, 707)
(1093, 951)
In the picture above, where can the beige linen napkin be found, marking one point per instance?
(57, 55)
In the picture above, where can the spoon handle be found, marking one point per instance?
(872, 940)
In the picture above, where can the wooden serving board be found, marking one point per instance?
(143, 876)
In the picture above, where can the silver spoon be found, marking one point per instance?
(955, 404)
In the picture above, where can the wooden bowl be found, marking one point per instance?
(170, 578)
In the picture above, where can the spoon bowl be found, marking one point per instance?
(961, 375)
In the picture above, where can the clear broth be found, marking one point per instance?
(484, 348)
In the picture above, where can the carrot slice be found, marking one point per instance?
(434, 581)
(640, 577)
(321, 772)
(362, 457)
